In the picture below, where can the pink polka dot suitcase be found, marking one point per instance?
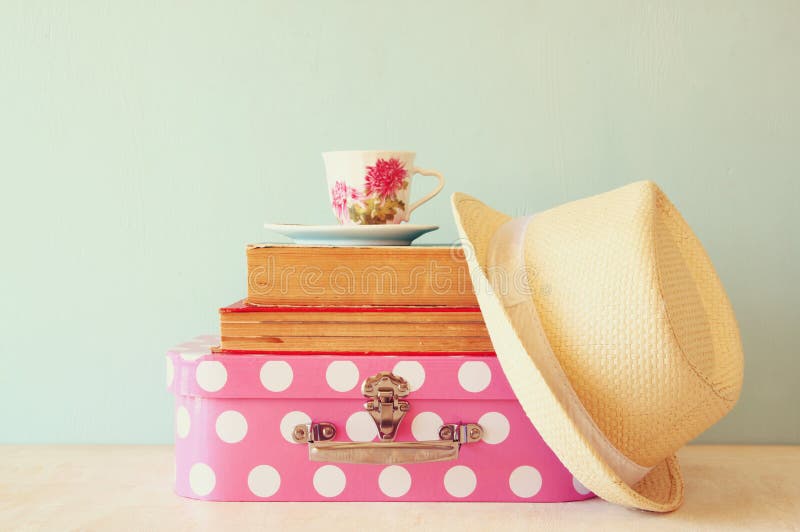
(362, 428)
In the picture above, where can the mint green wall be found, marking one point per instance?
(144, 143)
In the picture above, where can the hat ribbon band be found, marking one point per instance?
(509, 277)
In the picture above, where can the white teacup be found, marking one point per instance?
(373, 187)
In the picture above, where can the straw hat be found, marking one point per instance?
(614, 331)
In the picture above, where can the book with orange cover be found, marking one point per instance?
(369, 275)
(353, 329)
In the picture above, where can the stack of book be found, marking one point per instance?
(355, 300)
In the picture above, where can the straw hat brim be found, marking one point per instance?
(661, 490)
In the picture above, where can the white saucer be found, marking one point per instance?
(352, 235)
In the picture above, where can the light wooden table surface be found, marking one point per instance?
(129, 488)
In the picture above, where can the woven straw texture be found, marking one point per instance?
(638, 320)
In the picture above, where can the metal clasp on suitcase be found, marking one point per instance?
(387, 408)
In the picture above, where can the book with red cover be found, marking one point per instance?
(353, 330)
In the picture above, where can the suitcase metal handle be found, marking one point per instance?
(321, 449)
(387, 407)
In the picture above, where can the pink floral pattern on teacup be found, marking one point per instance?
(385, 178)
(378, 203)
(341, 196)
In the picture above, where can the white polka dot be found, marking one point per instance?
(361, 427)
(460, 481)
(290, 420)
(495, 427)
(412, 371)
(329, 481)
(394, 481)
(231, 426)
(264, 481)
(276, 375)
(194, 354)
(183, 422)
(474, 376)
(426, 425)
(211, 375)
(580, 488)
(342, 375)
(525, 481)
(202, 479)
(170, 371)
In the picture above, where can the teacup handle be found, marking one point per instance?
(434, 173)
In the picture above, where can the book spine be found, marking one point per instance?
(292, 276)
(365, 329)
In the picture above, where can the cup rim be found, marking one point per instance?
(351, 152)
